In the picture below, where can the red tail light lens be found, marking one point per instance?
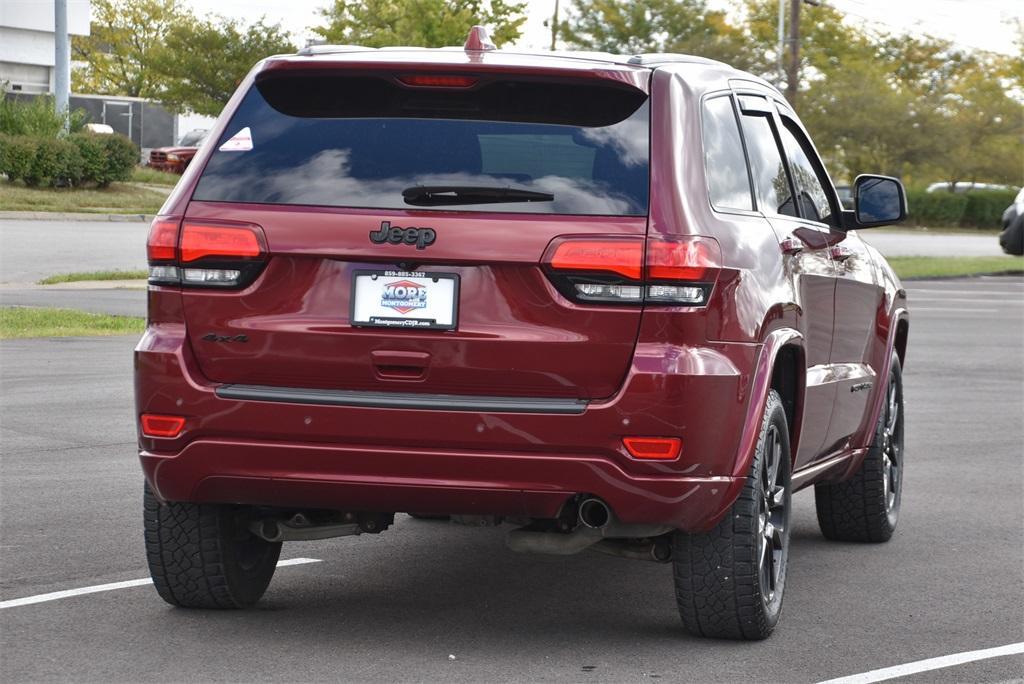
(693, 258)
(677, 272)
(438, 81)
(622, 257)
(653, 448)
(154, 425)
(163, 240)
(224, 242)
(229, 256)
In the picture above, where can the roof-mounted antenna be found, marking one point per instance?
(478, 40)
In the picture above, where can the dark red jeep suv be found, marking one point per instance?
(612, 303)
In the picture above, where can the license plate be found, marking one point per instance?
(404, 299)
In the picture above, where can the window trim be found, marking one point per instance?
(773, 123)
(735, 211)
(807, 147)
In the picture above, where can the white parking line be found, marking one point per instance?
(962, 300)
(67, 593)
(914, 291)
(930, 664)
(947, 310)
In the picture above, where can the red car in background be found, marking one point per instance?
(177, 158)
(612, 302)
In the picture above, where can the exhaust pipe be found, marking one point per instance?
(595, 514)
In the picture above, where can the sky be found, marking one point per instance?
(970, 23)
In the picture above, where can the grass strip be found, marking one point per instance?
(940, 267)
(20, 322)
(93, 275)
(119, 198)
(145, 174)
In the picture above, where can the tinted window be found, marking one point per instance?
(359, 142)
(770, 180)
(193, 138)
(728, 182)
(811, 196)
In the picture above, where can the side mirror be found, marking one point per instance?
(878, 201)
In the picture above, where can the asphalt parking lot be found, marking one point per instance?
(434, 601)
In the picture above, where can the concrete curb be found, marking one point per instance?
(74, 216)
(78, 285)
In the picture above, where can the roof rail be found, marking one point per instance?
(652, 58)
(330, 49)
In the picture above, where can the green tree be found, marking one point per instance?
(423, 23)
(986, 129)
(826, 41)
(201, 62)
(862, 123)
(639, 26)
(119, 50)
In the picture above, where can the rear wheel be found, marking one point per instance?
(729, 581)
(203, 555)
(866, 507)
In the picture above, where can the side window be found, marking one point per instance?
(771, 182)
(724, 163)
(810, 191)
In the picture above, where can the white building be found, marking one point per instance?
(27, 44)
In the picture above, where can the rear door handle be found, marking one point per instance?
(400, 365)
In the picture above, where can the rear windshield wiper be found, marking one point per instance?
(442, 195)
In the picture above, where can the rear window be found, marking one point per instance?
(559, 148)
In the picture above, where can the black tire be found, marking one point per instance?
(1012, 237)
(203, 555)
(866, 507)
(730, 581)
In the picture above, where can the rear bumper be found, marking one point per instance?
(427, 481)
(506, 463)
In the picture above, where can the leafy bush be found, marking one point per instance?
(16, 156)
(936, 208)
(56, 162)
(93, 153)
(79, 158)
(121, 157)
(36, 116)
(981, 209)
(985, 209)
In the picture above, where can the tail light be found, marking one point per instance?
(205, 254)
(673, 272)
(438, 81)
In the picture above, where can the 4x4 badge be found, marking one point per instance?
(421, 237)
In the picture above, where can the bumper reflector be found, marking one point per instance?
(154, 425)
(653, 448)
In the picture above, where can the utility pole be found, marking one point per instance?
(554, 28)
(62, 59)
(793, 70)
(781, 49)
